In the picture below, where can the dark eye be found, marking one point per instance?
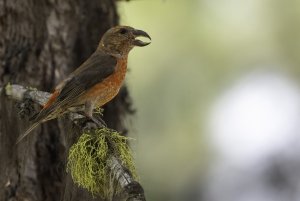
(123, 31)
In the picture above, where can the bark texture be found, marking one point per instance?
(41, 41)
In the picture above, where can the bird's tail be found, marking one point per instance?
(33, 126)
(44, 115)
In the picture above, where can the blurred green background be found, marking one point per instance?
(198, 49)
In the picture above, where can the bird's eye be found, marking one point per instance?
(123, 31)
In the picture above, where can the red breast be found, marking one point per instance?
(106, 90)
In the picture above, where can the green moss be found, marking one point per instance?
(87, 160)
(99, 110)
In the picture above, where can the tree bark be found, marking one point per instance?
(41, 41)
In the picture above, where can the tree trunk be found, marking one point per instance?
(41, 41)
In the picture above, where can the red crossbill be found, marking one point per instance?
(96, 81)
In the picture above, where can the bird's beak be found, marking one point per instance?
(137, 42)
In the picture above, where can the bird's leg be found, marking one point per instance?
(88, 111)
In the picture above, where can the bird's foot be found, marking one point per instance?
(99, 121)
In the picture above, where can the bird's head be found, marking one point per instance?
(119, 40)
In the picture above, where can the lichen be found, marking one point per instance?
(99, 110)
(8, 88)
(87, 161)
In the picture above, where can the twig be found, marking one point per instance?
(19, 93)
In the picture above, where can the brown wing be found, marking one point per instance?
(98, 67)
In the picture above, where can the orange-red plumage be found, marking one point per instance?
(106, 90)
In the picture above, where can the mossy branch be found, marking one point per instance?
(101, 157)
(23, 94)
(117, 160)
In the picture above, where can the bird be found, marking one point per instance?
(96, 81)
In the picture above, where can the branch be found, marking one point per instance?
(130, 187)
(19, 93)
(133, 189)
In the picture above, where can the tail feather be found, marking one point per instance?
(34, 125)
(34, 116)
(44, 115)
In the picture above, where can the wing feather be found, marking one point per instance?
(98, 67)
